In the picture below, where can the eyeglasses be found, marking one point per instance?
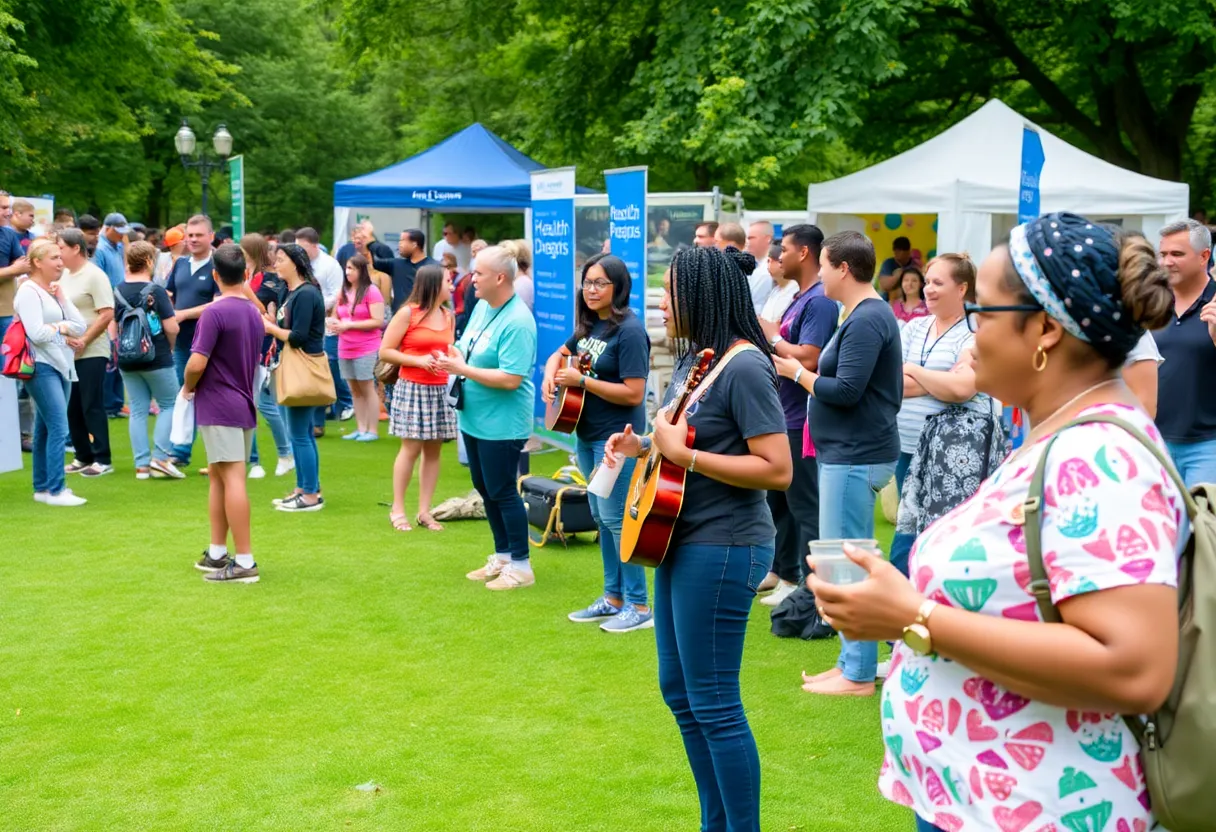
(597, 285)
(972, 311)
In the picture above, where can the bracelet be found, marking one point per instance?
(798, 374)
(692, 464)
(582, 382)
(776, 339)
(644, 444)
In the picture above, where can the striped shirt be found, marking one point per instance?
(921, 346)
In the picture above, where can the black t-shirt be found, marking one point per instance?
(402, 271)
(617, 352)
(859, 390)
(159, 309)
(1188, 375)
(271, 293)
(741, 404)
(303, 313)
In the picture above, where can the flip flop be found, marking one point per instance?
(400, 523)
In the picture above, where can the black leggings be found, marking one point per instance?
(87, 412)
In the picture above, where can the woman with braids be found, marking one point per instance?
(854, 399)
(301, 323)
(722, 546)
(616, 340)
(1038, 743)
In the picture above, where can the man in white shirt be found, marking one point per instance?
(329, 276)
(783, 295)
(761, 282)
(453, 242)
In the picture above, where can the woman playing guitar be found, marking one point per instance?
(613, 397)
(722, 546)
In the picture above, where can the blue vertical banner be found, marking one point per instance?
(552, 268)
(1032, 169)
(627, 227)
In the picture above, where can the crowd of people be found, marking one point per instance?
(833, 376)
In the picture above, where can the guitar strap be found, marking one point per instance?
(708, 381)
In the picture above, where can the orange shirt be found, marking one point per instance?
(422, 340)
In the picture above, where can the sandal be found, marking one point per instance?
(400, 523)
(428, 522)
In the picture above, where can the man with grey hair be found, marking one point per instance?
(363, 241)
(496, 356)
(1187, 379)
(761, 283)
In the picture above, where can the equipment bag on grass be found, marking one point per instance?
(135, 347)
(18, 355)
(1178, 742)
(557, 505)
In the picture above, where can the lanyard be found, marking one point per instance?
(473, 345)
(924, 356)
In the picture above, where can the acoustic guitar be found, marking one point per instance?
(567, 406)
(656, 492)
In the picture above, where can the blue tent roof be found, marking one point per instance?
(473, 169)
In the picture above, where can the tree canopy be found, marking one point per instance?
(739, 93)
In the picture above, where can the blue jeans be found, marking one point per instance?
(1196, 461)
(702, 598)
(902, 466)
(923, 825)
(5, 322)
(181, 356)
(112, 391)
(268, 406)
(142, 387)
(846, 510)
(304, 448)
(492, 465)
(901, 544)
(622, 581)
(344, 401)
(50, 392)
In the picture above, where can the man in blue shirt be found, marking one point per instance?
(191, 286)
(109, 253)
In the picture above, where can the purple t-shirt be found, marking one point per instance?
(230, 334)
(810, 319)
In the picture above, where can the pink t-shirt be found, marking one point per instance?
(356, 343)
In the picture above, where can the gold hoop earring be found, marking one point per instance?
(1039, 366)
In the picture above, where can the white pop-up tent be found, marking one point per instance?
(969, 176)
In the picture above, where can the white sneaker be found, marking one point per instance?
(257, 472)
(286, 464)
(783, 590)
(165, 468)
(64, 498)
(41, 496)
(884, 669)
(346, 415)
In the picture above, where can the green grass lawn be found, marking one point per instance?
(135, 697)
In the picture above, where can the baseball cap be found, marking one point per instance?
(118, 222)
(174, 235)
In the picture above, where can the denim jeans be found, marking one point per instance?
(344, 400)
(142, 387)
(622, 581)
(795, 514)
(902, 466)
(5, 322)
(112, 390)
(304, 448)
(269, 407)
(901, 544)
(49, 391)
(492, 465)
(923, 825)
(88, 426)
(181, 356)
(1196, 461)
(846, 510)
(702, 598)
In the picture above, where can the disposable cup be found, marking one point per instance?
(833, 566)
(603, 478)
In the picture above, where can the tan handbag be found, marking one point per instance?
(303, 380)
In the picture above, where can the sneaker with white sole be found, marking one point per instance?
(346, 415)
(142, 473)
(41, 496)
(65, 498)
(883, 670)
(630, 619)
(74, 467)
(286, 465)
(783, 590)
(350, 437)
(600, 610)
(162, 468)
(97, 469)
(512, 578)
(492, 569)
(297, 503)
(257, 472)
(209, 564)
(233, 573)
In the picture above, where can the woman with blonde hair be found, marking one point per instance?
(50, 318)
(421, 417)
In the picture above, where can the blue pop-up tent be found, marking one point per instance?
(473, 170)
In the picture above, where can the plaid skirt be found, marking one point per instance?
(420, 412)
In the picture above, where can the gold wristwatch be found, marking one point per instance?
(916, 634)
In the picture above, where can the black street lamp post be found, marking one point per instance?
(187, 144)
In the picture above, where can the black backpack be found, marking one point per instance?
(136, 347)
(798, 617)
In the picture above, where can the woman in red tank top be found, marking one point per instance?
(421, 417)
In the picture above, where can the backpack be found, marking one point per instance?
(797, 616)
(1177, 741)
(136, 347)
(17, 354)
